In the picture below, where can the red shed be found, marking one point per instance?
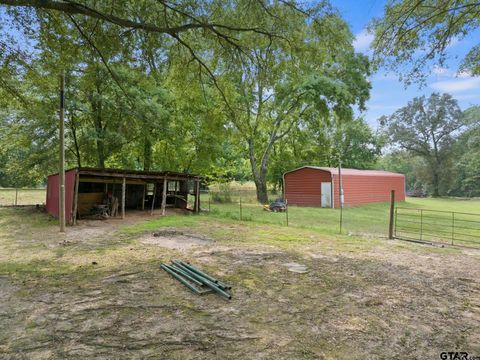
(92, 192)
(319, 186)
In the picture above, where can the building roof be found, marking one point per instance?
(346, 171)
(131, 173)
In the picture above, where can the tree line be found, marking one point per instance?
(241, 90)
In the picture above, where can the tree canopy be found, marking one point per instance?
(413, 35)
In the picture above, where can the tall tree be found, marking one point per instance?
(285, 84)
(427, 128)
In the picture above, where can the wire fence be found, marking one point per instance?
(242, 205)
(448, 227)
(22, 196)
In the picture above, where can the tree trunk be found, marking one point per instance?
(147, 153)
(436, 185)
(261, 186)
(259, 175)
(99, 129)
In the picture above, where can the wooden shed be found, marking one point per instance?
(88, 191)
(319, 186)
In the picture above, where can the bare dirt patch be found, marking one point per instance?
(175, 239)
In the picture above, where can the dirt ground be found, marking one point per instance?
(98, 292)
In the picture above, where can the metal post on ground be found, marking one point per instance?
(16, 196)
(340, 192)
(453, 226)
(61, 172)
(421, 224)
(240, 207)
(124, 190)
(286, 210)
(164, 195)
(392, 214)
(395, 227)
(153, 197)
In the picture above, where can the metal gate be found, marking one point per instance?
(455, 228)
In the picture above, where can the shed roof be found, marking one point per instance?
(131, 173)
(347, 171)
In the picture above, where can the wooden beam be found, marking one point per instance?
(75, 198)
(164, 196)
(124, 190)
(153, 200)
(138, 176)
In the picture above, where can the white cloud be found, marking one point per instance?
(362, 41)
(384, 76)
(438, 70)
(457, 85)
(463, 74)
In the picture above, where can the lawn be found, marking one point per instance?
(98, 291)
(372, 219)
(24, 196)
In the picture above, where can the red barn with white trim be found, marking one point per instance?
(319, 186)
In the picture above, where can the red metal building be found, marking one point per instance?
(319, 186)
(86, 190)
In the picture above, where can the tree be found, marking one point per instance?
(321, 143)
(427, 128)
(429, 26)
(286, 84)
(467, 155)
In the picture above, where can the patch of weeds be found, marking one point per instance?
(34, 267)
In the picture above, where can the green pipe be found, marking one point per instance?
(208, 283)
(208, 277)
(184, 274)
(182, 280)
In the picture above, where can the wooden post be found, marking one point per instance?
(164, 195)
(16, 196)
(154, 196)
(75, 198)
(197, 197)
(143, 197)
(61, 172)
(124, 190)
(392, 214)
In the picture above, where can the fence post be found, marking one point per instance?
(240, 207)
(16, 195)
(209, 201)
(421, 224)
(392, 210)
(286, 210)
(453, 226)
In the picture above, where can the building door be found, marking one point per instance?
(326, 193)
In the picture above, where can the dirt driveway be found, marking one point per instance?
(101, 294)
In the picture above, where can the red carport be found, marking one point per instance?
(319, 186)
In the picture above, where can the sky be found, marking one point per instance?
(388, 93)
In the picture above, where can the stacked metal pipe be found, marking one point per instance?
(196, 280)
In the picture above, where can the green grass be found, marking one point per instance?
(371, 219)
(24, 196)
